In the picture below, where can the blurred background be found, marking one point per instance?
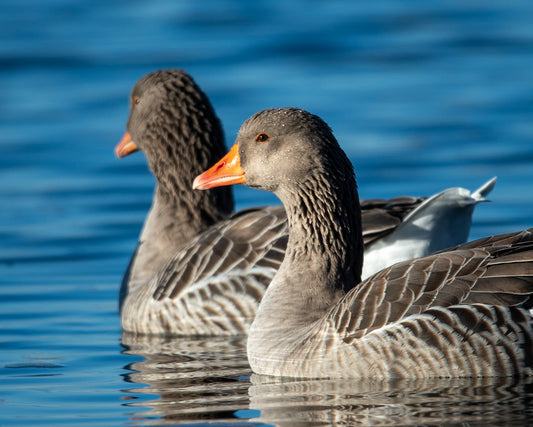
(421, 95)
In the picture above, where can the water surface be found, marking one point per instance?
(421, 95)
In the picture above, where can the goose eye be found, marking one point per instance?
(261, 137)
(136, 100)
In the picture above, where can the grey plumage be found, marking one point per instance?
(461, 312)
(197, 268)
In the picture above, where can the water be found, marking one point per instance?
(421, 95)
(195, 379)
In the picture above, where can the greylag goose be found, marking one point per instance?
(199, 270)
(460, 312)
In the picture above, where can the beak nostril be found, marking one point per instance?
(221, 165)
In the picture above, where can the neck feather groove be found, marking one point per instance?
(325, 231)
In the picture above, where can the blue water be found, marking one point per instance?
(421, 95)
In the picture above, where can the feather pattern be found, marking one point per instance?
(212, 286)
(464, 311)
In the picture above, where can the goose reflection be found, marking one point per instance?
(287, 402)
(184, 380)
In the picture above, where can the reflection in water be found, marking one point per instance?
(400, 402)
(191, 379)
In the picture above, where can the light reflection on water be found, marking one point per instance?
(183, 379)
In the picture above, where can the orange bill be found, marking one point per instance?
(226, 171)
(126, 146)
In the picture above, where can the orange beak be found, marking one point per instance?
(126, 146)
(226, 171)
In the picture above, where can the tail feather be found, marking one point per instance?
(485, 189)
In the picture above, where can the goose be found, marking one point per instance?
(199, 268)
(462, 312)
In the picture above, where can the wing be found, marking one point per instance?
(256, 238)
(379, 216)
(250, 239)
(495, 271)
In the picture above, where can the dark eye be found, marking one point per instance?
(136, 100)
(261, 137)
